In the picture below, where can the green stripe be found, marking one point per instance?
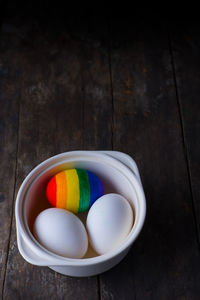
(84, 188)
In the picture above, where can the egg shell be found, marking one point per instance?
(61, 232)
(109, 221)
(74, 189)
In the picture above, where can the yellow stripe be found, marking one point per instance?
(73, 194)
(61, 196)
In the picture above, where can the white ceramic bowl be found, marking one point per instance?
(118, 172)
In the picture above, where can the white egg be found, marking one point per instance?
(61, 232)
(109, 221)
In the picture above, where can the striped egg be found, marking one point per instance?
(74, 189)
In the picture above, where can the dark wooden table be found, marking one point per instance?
(104, 83)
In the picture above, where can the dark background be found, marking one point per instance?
(81, 77)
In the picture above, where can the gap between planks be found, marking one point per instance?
(184, 142)
(13, 201)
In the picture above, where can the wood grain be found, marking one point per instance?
(185, 42)
(97, 86)
(164, 262)
(9, 108)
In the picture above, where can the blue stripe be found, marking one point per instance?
(94, 187)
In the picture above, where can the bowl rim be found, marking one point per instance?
(55, 259)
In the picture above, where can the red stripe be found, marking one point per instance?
(51, 191)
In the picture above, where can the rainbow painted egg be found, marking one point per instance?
(74, 189)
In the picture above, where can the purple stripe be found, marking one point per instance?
(94, 187)
(101, 188)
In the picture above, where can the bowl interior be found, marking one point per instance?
(114, 182)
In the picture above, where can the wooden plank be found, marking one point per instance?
(164, 262)
(185, 50)
(97, 86)
(9, 108)
(51, 119)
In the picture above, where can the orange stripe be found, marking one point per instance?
(61, 199)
